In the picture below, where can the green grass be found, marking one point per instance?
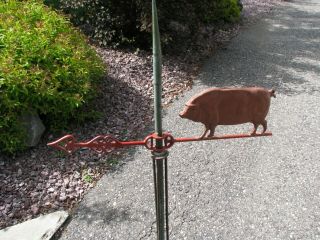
(86, 177)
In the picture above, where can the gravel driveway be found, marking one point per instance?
(264, 188)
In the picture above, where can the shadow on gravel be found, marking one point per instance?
(281, 54)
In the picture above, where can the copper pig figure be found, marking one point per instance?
(229, 106)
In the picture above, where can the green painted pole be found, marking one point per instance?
(156, 71)
(159, 158)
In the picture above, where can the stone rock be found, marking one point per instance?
(34, 209)
(62, 197)
(33, 126)
(41, 228)
(66, 182)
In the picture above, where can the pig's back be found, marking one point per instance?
(236, 106)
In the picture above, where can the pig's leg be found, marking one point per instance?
(264, 124)
(212, 129)
(205, 132)
(255, 127)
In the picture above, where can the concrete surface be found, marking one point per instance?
(263, 188)
(40, 228)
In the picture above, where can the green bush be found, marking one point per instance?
(121, 22)
(225, 10)
(45, 65)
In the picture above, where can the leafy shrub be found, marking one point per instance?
(45, 65)
(225, 10)
(108, 22)
(121, 22)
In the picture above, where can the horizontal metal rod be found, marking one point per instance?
(118, 144)
(231, 136)
(106, 143)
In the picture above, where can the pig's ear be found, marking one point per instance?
(272, 93)
(191, 105)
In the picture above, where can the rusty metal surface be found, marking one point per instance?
(229, 106)
(99, 144)
(107, 143)
(223, 137)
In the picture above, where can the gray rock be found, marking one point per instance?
(62, 197)
(33, 126)
(34, 209)
(41, 228)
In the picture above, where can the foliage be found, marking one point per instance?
(45, 65)
(226, 10)
(121, 22)
(87, 176)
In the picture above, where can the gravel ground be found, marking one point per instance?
(42, 180)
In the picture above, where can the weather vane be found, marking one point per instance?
(212, 107)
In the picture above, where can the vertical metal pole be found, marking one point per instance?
(157, 83)
(160, 174)
(159, 159)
